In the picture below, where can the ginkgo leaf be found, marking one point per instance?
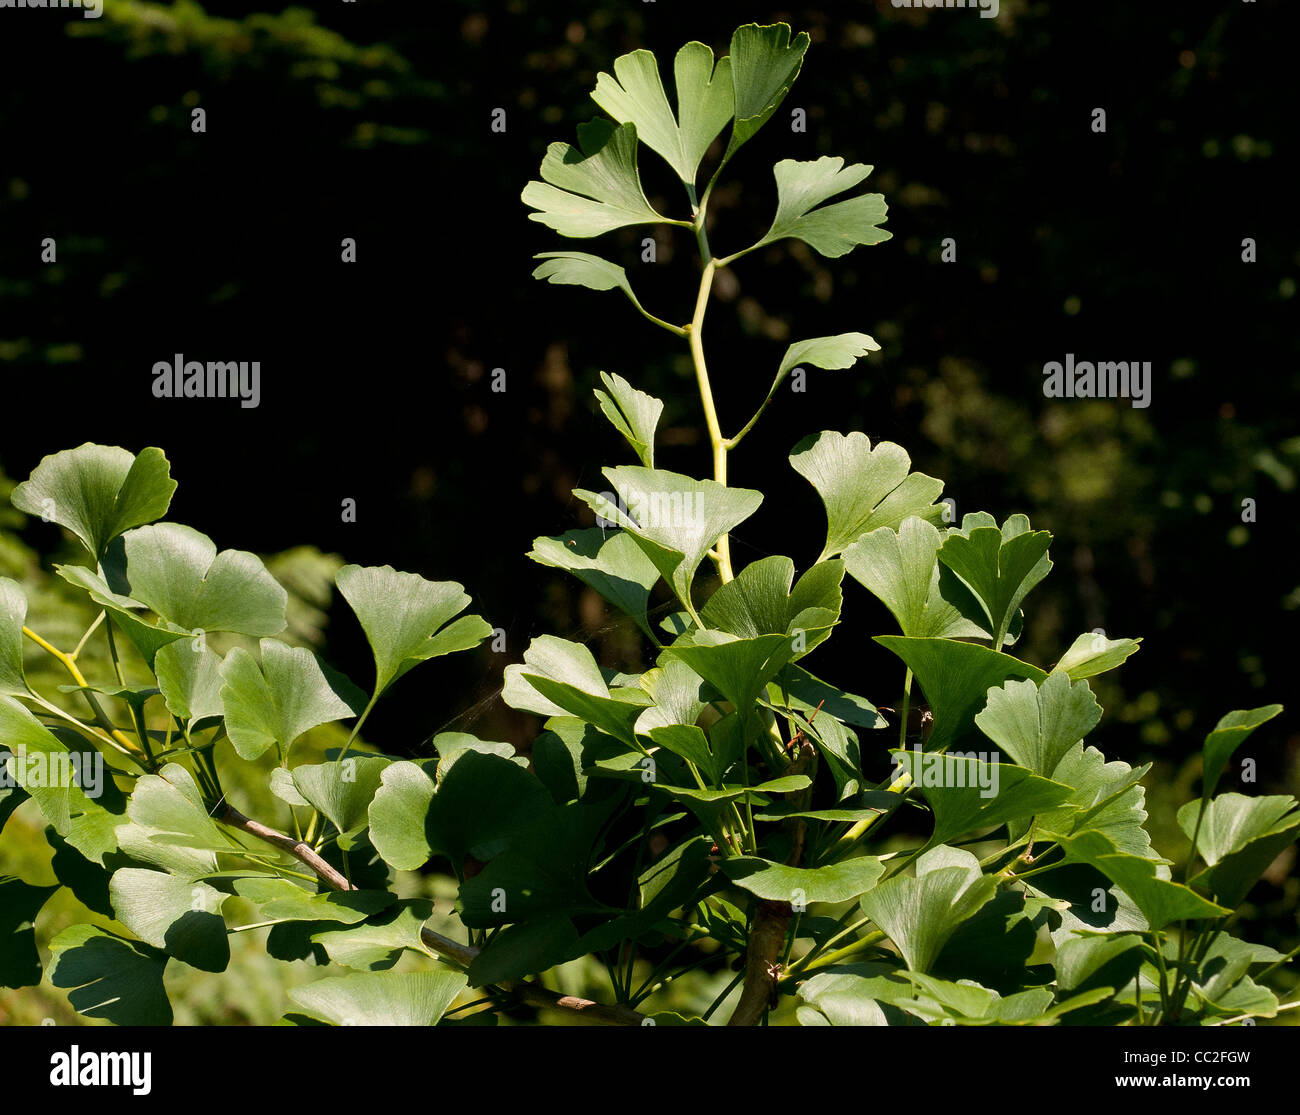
(176, 914)
(98, 492)
(581, 269)
(764, 64)
(863, 488)
(110, 977)
(275, 702)
(594, 187)
(380, 998)
(178, 573)
(833, 230)
(1145, 881)
(610, 562)
(955, 678)
(1036, 724)
(634, 414)
(705, 99)
(920, 913)
(839, 351)
(674, 519)
(13, 614)
(999, 566)
(901, 567)
(189, 678)
(1094, 654)
(407, 618)
(559, 677)
(1229, 734)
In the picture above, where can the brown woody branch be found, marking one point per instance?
(528, 991)
(771, 920)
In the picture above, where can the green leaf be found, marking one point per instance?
(833, 230)
(674, 519)
(110, 977)
(13, 614)
(705, 99)
(476, 809)
(377, 943)
(404, 796)
(51, 773)
(11, 794)
(582, 269)
(900, 566)
(678, 694)
(843, 998)
(175, 914)
(189, 678)
(1094, 654)
(633, 413)
(967, 794)
(1145, 881)
(1239, 838)
(342, 789)
(594, 187)
(1229, 734)
(169, 825)
(1084, 963)
(559, 677)
(98, 492)
(863, 488)
(542, 873)
(1038, 724)
(956, 678)
(1226, 961)
(776, 882)
(521, 950)
(274, 703)
(20, 902)
(764, 64)
(403, 616)
(738, 668)
(283, 900)
(760, 601)
(177, 572)
(920, 913)
(999, 566)
(806, 692)
(609, 562)
(1107, 798)
(840, 351)
(380, 998)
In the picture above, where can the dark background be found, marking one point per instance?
(373, 121)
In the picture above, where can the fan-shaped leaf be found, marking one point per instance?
(863, 488)
(98, 492)
(594, 187)
(403, 616)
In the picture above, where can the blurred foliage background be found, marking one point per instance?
(373, 120)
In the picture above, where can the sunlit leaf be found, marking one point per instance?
(863, 488)
(98, 492)
(705, 99)
(407, 619)
(833, 230)
(380, 998)
(275, 702)
(674, 519)
(594, 187)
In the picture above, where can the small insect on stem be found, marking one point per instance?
(799, 736)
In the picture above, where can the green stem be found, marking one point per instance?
(717, 441)
(356, 728)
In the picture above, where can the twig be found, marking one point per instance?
(534, 994)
